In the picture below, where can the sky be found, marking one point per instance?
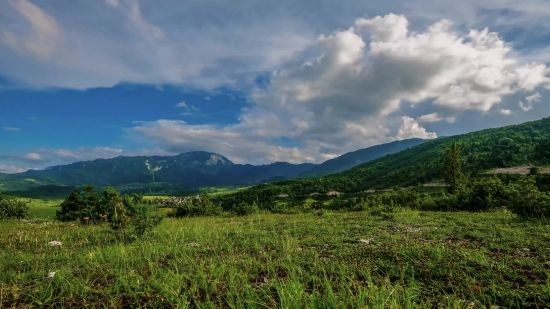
(261, 81)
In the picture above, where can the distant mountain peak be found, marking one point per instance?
(203, 157)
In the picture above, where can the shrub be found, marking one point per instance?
(484, 194)
(526, 200)
(244, 209)
(534, 170)
(11, 208)
(201, 206)
(77, 206)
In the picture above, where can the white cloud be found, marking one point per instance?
(530, 102)
(11, 169)
(506, 112)
(533, 98)
(525, 107)
(11, 129)
(33, 156)
(189, 108)
(348, 92)
(44, 37)
(80, 154)
(147, 42)
(207, 98)
(429, 118)
(411, 129)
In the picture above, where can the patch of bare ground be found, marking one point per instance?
(434, 184)
(517, 170)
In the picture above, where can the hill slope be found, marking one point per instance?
(354, 158)
(527, 143)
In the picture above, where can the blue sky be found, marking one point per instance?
(261, 81)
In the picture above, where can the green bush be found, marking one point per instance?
(526, 200)
(145, 218)
(244, 209)
(80, 205)
(197, 207)
(11, 208)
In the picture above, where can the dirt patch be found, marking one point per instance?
(434, 184)
(517, 170)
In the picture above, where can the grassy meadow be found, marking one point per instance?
(410, 259)
(43, 208)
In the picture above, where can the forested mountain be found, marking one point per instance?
(354, 158)
(190, 170)
(527, 143)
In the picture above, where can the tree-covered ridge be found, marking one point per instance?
(527, 143)
(187, 171)
(352, 159)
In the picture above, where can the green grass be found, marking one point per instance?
(222, 190)
(313, 260)
(43, 208)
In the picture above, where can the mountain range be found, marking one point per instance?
(189, 170)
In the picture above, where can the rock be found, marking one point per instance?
(365, 241)
(54, 243)
(526, 249)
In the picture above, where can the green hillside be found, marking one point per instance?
(354, 158)
(527, 143)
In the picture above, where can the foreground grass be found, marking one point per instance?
(330, 260)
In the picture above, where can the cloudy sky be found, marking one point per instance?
(260, 81)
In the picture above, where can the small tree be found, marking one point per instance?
(71, 207)
(534, 170)
(113, 205)
(145, 218)
(452, 170)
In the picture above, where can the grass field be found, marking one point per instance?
(43, 208)
(314, 260)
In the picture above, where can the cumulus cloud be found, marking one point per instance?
(506, 112)
(411, 129)
(11, 129)
(147, 42)
(348, 91)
